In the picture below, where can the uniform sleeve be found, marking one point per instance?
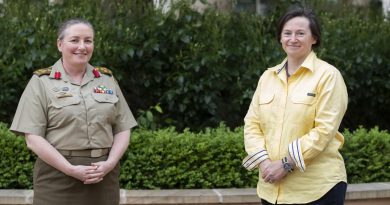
(253, 135)
(330, 109)
(30, 116)
(124, 119)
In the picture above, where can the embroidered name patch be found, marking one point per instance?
(311, 94)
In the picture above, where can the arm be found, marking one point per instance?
(254, 137)
(51, 156)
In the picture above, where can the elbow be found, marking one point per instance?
(29, 142)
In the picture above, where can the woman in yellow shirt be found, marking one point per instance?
(291, 128)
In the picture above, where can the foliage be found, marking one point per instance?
(167, 159)
(16, 161)
(147, 118)
(201, 69)
(367, 155)
(364, 62)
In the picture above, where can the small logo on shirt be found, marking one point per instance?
(311, 94)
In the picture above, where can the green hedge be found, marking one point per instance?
(17, 161)
(167, 159)
(200, 68)
(367, 155)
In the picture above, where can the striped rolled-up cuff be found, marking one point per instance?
(252, 161)
(294, 148)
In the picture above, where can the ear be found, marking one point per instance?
(314, 40)
(59, 45)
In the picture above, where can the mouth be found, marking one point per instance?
(293, 47)
(80, 54)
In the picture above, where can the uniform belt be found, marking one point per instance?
(85, 153)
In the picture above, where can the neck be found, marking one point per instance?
(294, 63)
(293, 66)
(76, 72)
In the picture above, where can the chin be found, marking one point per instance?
(81, 60)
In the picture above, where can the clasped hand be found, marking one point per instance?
(91, 174)
(272, 171)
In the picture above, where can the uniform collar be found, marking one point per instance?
(57, 67)
(308, 63)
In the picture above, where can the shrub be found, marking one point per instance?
(167, 159)
(16, 161)
(367, 155)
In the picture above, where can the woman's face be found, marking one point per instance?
(296, 37)
(77, 45)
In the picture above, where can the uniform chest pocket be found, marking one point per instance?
(59, 102)
(266, 98)
(105, 98)
(304, 98)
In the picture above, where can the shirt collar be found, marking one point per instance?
(88, 76)
(308, 63)
(57, 67)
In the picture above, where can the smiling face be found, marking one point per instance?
(76, 45)
(296, 38)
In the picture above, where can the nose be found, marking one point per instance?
(82, 45)
(294, 37)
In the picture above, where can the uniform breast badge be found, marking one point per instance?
(102, 89)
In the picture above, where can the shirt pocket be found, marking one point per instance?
(266, 98)
(266, 114)
(303, 109)
(105, 98)
(304, 98)
(65, 101)
(105, 108)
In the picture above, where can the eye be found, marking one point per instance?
(88, 41)
(73, 40)
(301, 34)
(286, 33)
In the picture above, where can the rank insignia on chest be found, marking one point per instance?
(102, 89)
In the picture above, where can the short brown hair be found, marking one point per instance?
(301, 12)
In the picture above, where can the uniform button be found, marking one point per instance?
(89, 124)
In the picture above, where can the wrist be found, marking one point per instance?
(69, 170)
(264, 164)
(287, 165)
(111, 164)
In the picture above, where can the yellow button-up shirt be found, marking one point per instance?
(299, 116)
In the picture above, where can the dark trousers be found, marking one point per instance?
(335, 196)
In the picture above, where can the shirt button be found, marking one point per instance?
(89, 124)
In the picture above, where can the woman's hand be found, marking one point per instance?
(272, 171)
(121, 142)
(100, 169)
(81, 172)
